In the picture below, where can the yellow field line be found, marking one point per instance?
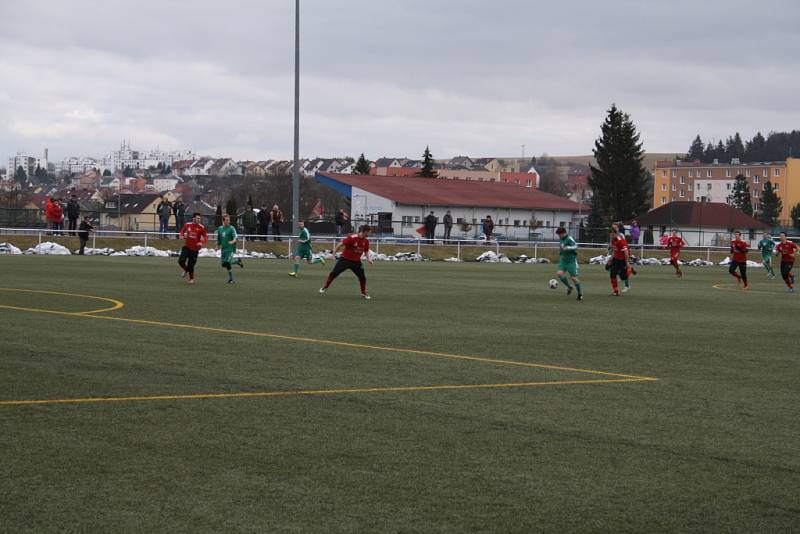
(117, 305)
(738, 289)
(310, 392)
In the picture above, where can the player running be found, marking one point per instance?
(568, 262)
(739, 259)
(620, 262)
(767, 248)
(675, 243)
(787, 250)
(352, 248)
(195, 236)
(304, 249)
(226, 242)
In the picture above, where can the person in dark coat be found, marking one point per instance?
(263, 222)
(73, 213)
(179, 210)
(430, 226)
(448, 225)
(83, 233)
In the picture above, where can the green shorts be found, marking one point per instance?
(304, 252)
(767, 258)
(226, 256)
(570, 267)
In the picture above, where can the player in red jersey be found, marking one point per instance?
(620, 262)
(787, 250)
(352, 248)
(739, 258)
(195, 236)
(675, 243)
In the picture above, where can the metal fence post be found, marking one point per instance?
(145, 240)
(419, 247)
(290, 245)
(497, 247)
(458, 249)
(708, 254)
(94, 239)
(536, 251)
(40, 238)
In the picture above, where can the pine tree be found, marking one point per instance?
(427, 170)
(20, 175)
(619, 180)
(708, 153)
(596, 222)
(362, 165)
(771, 206)
(696, 150)
(754, 150)
(719, 152)
(740, 195)
(795, 215)
(736, 149)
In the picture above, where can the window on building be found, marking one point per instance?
(747, 173)
(776, 187)
(674, 187)
(460, 220)
(663, 200)
(777, 172)
(755, 193)
(756, 179)
(708, 186)
(416, 219)
(728, 187)
(663, 174)
(708, 173)
(765, 174)
(755, 208)
(529, 183)
(683, 193)
(674, 173)
(683, 179)
(727, 173)
(663, 187)
(525, 222)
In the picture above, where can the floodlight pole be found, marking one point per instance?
(296, 165)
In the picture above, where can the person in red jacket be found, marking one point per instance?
(739, 259)
(352, 248)
(675, 243)
(787, 250)
(195, 236)
(54, 214)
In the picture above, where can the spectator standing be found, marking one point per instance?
(448, 226)
(73, 213)
(249, 221)
(341, 220)
(635, 232)
(179, 210)
(164, 210)
(430, 226)
(54, 214)
(83, 233)
(263, 222)
(276, 218)
(488, 227)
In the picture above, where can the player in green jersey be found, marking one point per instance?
(226, 242)
(568, 262)
(767, 248)
(304, 249)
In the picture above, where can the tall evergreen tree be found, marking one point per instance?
(795, 215)
(740, 195)
(771, 206)
(427, 170)
(696, 150)
(20, 175)
(754, 150)
(596, 223)
(719, 152)
(362, 165)
(708, 153)
(231, 209)
(736, 149)
(618, 181)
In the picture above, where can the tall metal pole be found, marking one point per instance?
(296, 166)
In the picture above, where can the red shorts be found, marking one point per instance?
(674, 254)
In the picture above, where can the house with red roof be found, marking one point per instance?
(702, 223)
(517, 211)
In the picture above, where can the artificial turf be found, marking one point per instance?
(712, 445)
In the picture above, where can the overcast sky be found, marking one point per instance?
(386, 78)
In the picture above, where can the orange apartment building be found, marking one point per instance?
(681, 181)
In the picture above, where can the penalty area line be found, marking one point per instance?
(316, 392)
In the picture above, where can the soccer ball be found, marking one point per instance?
(553, 283)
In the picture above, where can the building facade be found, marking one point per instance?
(681, 181)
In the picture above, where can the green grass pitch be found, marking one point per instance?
(456, 400)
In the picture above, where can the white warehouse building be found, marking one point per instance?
(399, 204)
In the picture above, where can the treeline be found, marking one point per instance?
(777, 146)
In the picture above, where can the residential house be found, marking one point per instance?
(131, 212)
(701, 223)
